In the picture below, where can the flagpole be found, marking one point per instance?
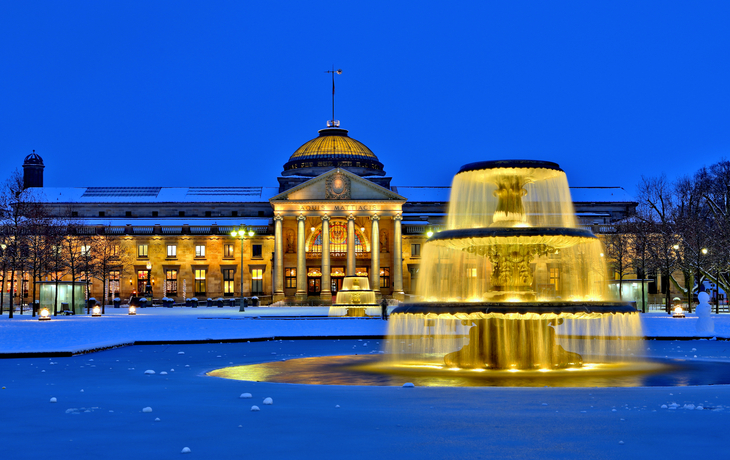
(333, 72)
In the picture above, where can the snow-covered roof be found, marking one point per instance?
(156, 194)
(439, 194)
(600, 195)
(579, 194)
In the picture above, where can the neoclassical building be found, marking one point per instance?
(334, 213)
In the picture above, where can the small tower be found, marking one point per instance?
(33, 171)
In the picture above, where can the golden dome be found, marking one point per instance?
(333, 148)
(333, 143)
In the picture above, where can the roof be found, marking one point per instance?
(156, 194)
(414, 194)
(579, 194)
(333, 143)
(600, 195)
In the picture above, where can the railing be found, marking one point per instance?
(338, 255)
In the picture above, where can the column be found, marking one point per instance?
(350, 245)
(375, 254)
(301, 260)
(279, 258)
(397, 258)
(326, 293)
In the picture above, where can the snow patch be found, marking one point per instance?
(147, 409)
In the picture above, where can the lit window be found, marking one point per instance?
(85, 250)
(200, 282)
(228, 281)
(290, 276)
(415, 250)
(257, 281)
(171, 250)
(471, 272)
(385, 277)
(171, 282)
(142, 250)
(228, 251)
(200, 250)
(338, 239)
(555, 278)
(114, 278)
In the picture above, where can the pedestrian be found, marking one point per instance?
(384, 309)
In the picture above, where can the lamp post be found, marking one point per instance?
(241, 234)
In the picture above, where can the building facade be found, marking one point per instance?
(334, 213)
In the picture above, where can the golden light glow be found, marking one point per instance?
(96, 310)
(44, 315)
(132, 310)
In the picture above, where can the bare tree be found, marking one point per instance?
(618, 246)
(107, 257)
(17, 207)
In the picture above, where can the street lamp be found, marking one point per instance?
(241, 234)
(148, 285)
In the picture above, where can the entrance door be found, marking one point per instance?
(314, 286)
(336, 282)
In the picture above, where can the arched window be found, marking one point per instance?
(338, 239)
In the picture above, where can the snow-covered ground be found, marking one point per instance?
(100, 398)
(77, 333)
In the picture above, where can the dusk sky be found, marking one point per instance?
(216, 93)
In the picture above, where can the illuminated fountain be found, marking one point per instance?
(513, 283)
(355, 298)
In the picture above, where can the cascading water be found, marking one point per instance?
(513, 283)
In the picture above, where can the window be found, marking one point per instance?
(256, 251)
(114, 279)
(128, 214)
(415, 250)
(181, 213)
(170, 282)
(74, 214)
(85, 250)
(228, 251)
(290, 277)
(261, 214)
(234, 213)
(142, 251)
(228, 281)
(115, 250)
(471, 272)
(338, 240)
(142, 279)
(102, 213)
(155, 213)
(257, 281)
(207, 213)
(171, 251)
(384, 277)
(200, 250)
(200, 282)
(555, 278)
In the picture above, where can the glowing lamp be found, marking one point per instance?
(149, 265)
(132, 310)
(704, 250)
(233, 233)
(250, 233)
(678, 312)
(362, 229)
(44, 315)
(676, 246)
(429, 233)
(96, 311)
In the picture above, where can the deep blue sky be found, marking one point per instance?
(221, 93)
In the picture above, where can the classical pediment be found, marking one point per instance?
(337, 185)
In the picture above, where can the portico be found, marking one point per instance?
(334, 225)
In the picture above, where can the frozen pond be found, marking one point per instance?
(101, 396)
